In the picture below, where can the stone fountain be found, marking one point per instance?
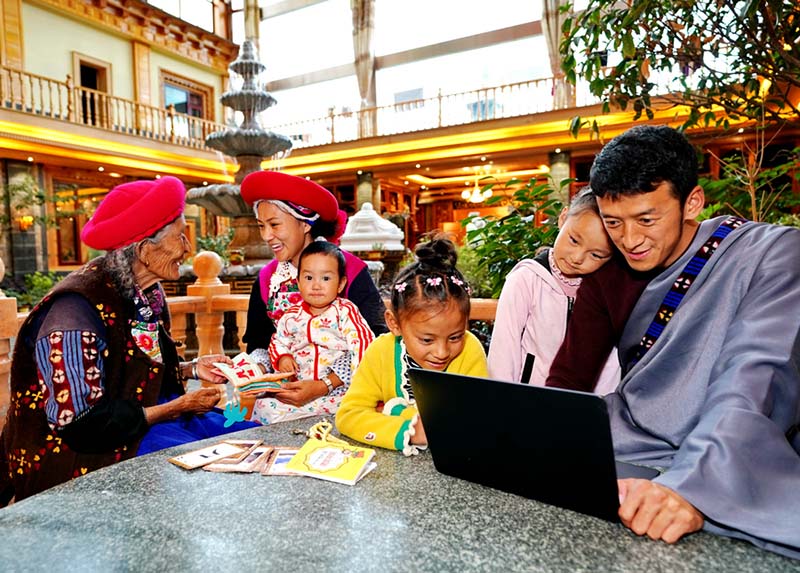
(249, 144)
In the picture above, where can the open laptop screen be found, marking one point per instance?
(546, 444)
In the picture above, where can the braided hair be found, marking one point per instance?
(432, 279)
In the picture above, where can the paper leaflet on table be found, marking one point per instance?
(332, 461)
(207, 455)
(254, 462)
(276, 466)
(228, 452)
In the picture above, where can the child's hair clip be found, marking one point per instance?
(400, 287)
(456, 281)
(434, 281)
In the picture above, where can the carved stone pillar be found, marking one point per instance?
(559, 170)
(364, 189)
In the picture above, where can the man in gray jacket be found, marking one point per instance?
(710, 352)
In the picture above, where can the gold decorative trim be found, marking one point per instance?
(145, 23)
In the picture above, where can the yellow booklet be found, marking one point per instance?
(334, 462)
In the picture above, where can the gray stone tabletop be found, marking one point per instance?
(146, 514)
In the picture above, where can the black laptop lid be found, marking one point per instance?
(542, 443)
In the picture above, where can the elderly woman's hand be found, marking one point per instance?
(208, 372)
(199, 401)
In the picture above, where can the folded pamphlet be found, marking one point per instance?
(332, 461)
(253, 462)
(208, 455)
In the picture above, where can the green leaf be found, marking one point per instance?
(628, 49)
(575, 126)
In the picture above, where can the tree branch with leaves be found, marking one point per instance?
(742, 58)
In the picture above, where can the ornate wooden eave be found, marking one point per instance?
(140, 21)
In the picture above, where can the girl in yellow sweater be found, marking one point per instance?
(428, 329)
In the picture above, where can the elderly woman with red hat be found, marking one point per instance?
(95, 376)
(291, 213)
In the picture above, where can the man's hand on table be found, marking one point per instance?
(648, 508)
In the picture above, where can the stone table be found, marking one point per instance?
(146, 514)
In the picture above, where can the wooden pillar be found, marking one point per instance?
(11, 43)
(8, 330)
(222, 19)
(207, 266)
(142, 92)
(178, 329)
(252, 22)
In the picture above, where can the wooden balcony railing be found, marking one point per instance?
(443, 110)
(208, 299)
(38, 95)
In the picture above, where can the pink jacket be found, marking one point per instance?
(532, 319)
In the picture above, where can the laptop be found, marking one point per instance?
(546, 444)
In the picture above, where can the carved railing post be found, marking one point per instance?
(71, 98)
(241, 328)
(210, 330)
(177, 329)
(8, 329)
(171, 114)
(332, 116)
(439, 102)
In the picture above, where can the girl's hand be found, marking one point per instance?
(301, 393)
(206, 370)
(287, 364)
(419, 438)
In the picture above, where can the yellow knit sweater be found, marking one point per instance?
(380, 378)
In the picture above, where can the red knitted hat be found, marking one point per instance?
(265, 185)
(133, 211)
(341, 226)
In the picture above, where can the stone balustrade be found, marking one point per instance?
(208, 299)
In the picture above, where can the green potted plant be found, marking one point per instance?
(531, 223)
(376, 253)
(217, 244)
(36, 286)
(749, 188)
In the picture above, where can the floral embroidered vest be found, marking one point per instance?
(37, 458)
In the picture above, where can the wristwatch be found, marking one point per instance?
(194, 369)
(328, 383)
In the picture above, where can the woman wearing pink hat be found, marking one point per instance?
(95, 376)
(291, 213)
